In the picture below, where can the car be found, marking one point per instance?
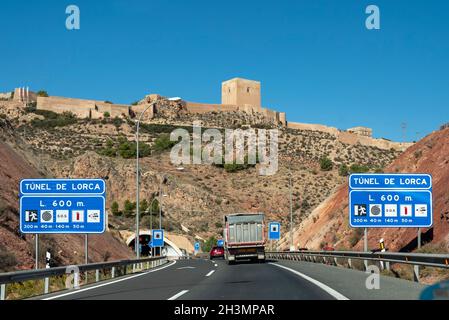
(216, 252)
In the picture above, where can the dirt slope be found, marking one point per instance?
(328, 223)
(16, 250)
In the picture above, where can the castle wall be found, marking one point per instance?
(115, 110)
(6, 95)
(195, 107)
(80, 107)
(313, 127)
(351, 138)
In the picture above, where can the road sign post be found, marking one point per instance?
(37, 250)
(86, 248)
(197, 247)
(53, 206)
(274, 232)
(157, 239)
(390, 200)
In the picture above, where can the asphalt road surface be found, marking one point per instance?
(215, 280)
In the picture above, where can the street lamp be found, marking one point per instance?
(291, 208)
(137, 244)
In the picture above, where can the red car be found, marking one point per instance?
(216, 252)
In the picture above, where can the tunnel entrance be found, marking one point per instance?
(145, 249)
(169, 249)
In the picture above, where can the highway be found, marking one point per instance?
(199, 279)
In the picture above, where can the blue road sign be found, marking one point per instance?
(274, 231)
(157, 238)
(220, 243)
(54, 206)
(197, 246)
(390, 200)
(63, 186)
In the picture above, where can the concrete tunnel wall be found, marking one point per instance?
(171, 248)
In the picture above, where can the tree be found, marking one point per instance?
(115, 209)
(163, 142)
(343, 170)
(106, 114)
(356, 168)
(326, 164)
(42, 93)
(143, 206)
(155, 207)
(207, 246)
(128, 208)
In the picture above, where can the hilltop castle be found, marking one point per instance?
(237, 95)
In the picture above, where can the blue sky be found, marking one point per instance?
(315, 58)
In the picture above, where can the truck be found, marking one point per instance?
(244, 237)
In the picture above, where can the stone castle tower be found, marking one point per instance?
(241, 92)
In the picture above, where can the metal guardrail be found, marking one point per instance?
(26, 275)
(385, 259)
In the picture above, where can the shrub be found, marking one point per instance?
(106, 114)
(356, 168)
(42, 93)
(208, 244)
(326, 164)
(117, 122)
(53, 119)
(7, 260)
(128, 150)
(356, 235)
(343, 170)
(128, 208)
(163, 143)
(115, 209)
(143, 206)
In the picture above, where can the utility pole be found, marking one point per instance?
(404, 131)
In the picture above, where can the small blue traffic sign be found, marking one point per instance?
(390, 200)
(157, 238)
(51, 206)
(220, 243)
(197, 246)
(274, 231)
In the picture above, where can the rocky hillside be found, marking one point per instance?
(328, 223)
(199, 195)
(16, 249)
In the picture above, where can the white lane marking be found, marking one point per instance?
(215, 265)
(176, 296)
(210, 273)
(108, 283)
(188, 267)
(337, 295)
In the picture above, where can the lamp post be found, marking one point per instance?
(291, 208)
(137, 244)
